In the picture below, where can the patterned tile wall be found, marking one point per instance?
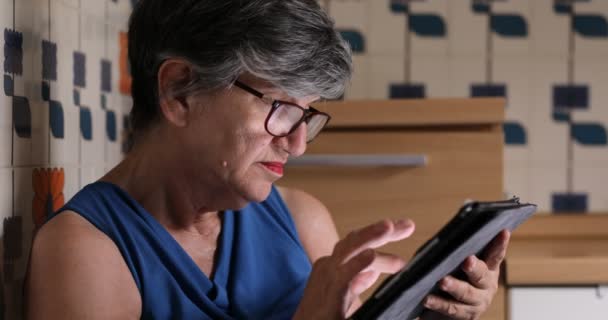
(549, 58)
(65, 84)
(64, 95)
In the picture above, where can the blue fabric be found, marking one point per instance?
(261, 268)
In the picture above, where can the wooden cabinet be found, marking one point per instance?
(359, 167)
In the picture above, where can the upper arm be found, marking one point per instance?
(313, 221)
(77, 272)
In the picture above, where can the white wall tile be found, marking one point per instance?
(40, 128)
(90, 174)
(113, 150)
(592, 180)
(94, 8)
(72, 182)
(64, 32)
(40, 133)
(434, 73)
(546, 179)
(40, 109)
(516, 179)
(467, 30)
(547, 139)
(64, 152)
(515, 73)
(125, 102)
(92, 151)
(119, 11)
(114, 100)
(22, 146)
(6, 123)
(359, 85)
(465, 71)
(6, 194)
(383, 71)
(22, 151)
(74, 4)
(430, 46)
(549, 31)
(509, 46)
(113, 54)
(386, 29)
(6, 15)
(24, 14)
(6, 131)
(351, 14)
(592, 72)
(24, 193)
(92, 40)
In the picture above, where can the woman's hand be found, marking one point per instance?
(470, 299)
(337, 280)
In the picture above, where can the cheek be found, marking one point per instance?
(252, 146)
(241, 141)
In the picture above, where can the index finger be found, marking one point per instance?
(372, 236)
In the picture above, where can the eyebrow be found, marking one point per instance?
(275, 93)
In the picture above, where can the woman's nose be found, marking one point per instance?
(296, 141)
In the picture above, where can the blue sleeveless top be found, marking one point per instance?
(261, 268)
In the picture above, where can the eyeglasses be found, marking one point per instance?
(285, 117)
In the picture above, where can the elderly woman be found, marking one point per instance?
(190, 225)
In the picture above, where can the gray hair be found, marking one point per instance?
(290, 43)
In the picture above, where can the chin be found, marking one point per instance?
(261, 193)
(250, 187)
(256, 192)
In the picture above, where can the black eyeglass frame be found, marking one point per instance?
(307, 114)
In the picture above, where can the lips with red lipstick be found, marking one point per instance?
(276, 167)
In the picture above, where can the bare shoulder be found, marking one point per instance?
(314, 223)
(76, 271)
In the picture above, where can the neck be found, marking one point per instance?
(164, 189)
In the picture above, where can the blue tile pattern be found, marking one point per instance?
(407, 91)
(355, 39)
(13, 52)
(591, 25)
(79, 69)
(49, 60)
(509, 25)
(569, 202)
(427, 25)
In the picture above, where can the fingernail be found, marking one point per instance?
(428, 302)
(402, 223)
(470, 265)
(445, 284)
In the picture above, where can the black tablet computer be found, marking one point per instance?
(401, 295)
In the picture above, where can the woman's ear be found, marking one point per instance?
(172, 75)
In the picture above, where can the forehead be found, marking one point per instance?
(267, 88)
